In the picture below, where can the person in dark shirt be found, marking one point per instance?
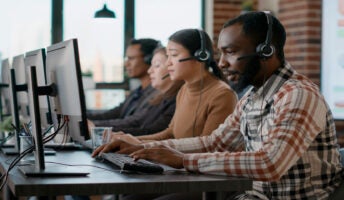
(139, 54)
(159, 113)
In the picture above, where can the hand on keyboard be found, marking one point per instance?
(127, 163)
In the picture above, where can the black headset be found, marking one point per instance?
(266, 49)
(202, 54)
(148, 57)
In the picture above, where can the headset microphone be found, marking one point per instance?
(186, 59)
(233, 72)
(165, 76)
(248, 56)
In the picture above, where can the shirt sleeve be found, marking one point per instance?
(128, 121)
(295, 127)
(226, 137)
(162, 135)
(155, 126)
(105, 115)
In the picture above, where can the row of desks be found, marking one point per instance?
(107, 179)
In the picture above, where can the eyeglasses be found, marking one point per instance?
(129, 58)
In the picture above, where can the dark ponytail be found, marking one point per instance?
(217, 71)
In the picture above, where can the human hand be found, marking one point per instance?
(108, 137)
(118, 146)
(125, 137)
(161, 154)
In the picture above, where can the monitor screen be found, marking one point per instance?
(5, 67)
(5, 92)
(332, 56)
(64, 71)
(20, 79)
(37, 58)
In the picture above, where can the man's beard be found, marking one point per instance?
(251, 69)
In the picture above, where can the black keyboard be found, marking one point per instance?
(64, 146)
(127, 163)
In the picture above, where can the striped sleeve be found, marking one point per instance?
(226, 137)
(298, 118)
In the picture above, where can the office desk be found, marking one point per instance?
(100, 181)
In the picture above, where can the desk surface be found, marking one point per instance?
(101, 181)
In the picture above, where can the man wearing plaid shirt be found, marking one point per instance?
(281, 134)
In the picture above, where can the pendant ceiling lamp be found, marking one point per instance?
(105, 13)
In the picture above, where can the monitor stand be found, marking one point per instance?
(39, 169)
(7, 142)
(6, 145)
(51, 171)
(10, 151)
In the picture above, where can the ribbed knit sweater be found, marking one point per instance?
(201, 107)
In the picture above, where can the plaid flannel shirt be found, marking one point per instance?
(282, 135)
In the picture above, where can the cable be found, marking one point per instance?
(50, 137)
(4, 140)
(14, 162)
(261, 106)
(199, 103)
(48, 130)
(4, 176)
(66, 130)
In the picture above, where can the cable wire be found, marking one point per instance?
(4, 176)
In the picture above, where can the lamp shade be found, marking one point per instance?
(105, 13)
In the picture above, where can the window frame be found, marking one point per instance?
(129, 33)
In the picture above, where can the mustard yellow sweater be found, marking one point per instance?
(200, 108)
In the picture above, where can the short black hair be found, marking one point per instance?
(147, 47)
(255, 26)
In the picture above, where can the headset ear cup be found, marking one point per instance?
(265, 51)
(148, 59)
(202, 55)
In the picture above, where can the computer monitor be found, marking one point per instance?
(20, 78)
(65, 90)
(5, 98)
(64, 71)
(37, 58)
(19, 99)
(4, 89)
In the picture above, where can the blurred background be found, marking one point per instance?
(315, 35)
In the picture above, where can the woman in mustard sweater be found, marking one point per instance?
(205, 100)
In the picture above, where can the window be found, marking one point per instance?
(24, 26)
(160, 19)
(100, 40)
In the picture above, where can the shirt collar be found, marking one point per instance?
(273, 84)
